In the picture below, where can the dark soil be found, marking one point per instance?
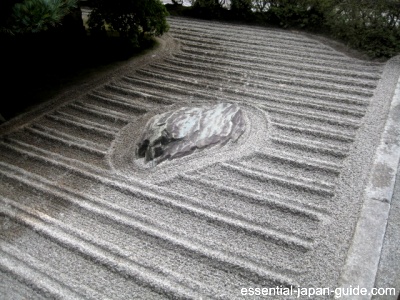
(39, 67)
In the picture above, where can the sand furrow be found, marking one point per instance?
(186, 207)
(264, 185)
(122, 221)
(257, 65)
(38, 139)
(266, 208)
(14, 287)
(147, 97)
(311, 186)
(312, 118)
(95, 98)
(271, 83)
(96, 250)
(269, 199)
(318, 132)
(279, 59)
(239, 33)
(298, 166)
(83, 217)
(261, 79)
(79, 123)
(256, 50)
(96, 114)
(272, 100)
(14, 263)
(281, 38)
(273, 44)
(266, 89)
(263, 72)
(94, 144)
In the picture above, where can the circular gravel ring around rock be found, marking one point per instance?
(124, 160)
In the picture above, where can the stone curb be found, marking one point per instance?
(362, 261)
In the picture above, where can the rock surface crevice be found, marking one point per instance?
(181, 132)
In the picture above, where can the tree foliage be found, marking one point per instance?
(132, 20)
(373, 26)
(290, 13)
(241, 9)
(34, 16)
(208, 9)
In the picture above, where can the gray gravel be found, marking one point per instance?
(278, 207)
(389, 267)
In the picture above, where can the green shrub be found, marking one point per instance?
(33, 16)
(209, 9)
(372, 26)
(289, 13)
(131, 20)
(241, 9)
(6, 15)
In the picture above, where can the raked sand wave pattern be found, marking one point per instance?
(278, 207)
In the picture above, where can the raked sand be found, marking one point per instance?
(82, 219)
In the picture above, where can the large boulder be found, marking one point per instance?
(178, 133)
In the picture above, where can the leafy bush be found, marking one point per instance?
(209, 9)
(301, 14)
(131, 20)
(241, 9)
(373, 26)
(33, 16)
(6, 15)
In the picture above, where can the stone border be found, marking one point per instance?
(362, 261)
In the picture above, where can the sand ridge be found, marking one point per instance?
(278, 210)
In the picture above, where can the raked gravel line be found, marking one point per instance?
(81, 220)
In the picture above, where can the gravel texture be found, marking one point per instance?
(278, 207)
(389, 265)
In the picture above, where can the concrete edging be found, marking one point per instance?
(363, 258)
